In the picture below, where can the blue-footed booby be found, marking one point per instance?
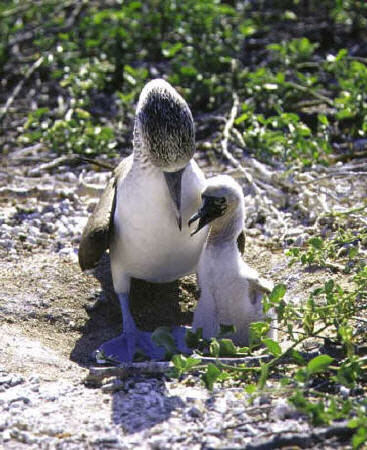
(231, 291)
(143, 214)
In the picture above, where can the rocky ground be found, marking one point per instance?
(52, 317)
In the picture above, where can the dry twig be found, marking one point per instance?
(303, 440)
(19, 87)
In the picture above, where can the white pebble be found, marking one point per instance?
(282, 410)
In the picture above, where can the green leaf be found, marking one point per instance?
(251, 388)
(214, 348)
(341, 54)
(316, 242)
(193, 338)
(227, 348)
(329, 286)
(319, 364)
(247, 28)
(40, 112)
(82, 113)
(359, 438)
(210, 376)
(163, 338)
(257, 331)
(242, 118)
(189, 71)
(317, 292)
(353, 423)
(345, 113)
(184, 364)
(273, 346)
(298, 358)
(192, 362)
(169, 50)
(277, 293)
(290, 15)
(263, 376)
(323, 119)
(301, 375)
(179, 361)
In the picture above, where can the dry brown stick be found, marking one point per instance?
(15, 11)
(19, 87)
(30, 34)
(317, 95)
(97, 374)
(259, 193)
(97, 163)
(224, 143)
(67, 159)
(23, 152)
(48, 165)
(348, 156)
(303, 440)
(334, 174)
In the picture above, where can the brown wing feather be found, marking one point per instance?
(96, 235)
(241, 240)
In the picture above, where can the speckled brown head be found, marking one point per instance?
(164, 127)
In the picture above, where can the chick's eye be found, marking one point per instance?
(220, 201)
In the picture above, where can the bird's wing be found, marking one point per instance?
(265, 286)
(257, 287)
(96, 235)
(241, 241)
(260, 285)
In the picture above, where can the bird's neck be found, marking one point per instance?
(225, 230)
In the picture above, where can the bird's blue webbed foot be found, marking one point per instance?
(133, 341)
(179, 335)
(123, 348)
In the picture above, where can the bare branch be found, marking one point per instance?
(19, 87)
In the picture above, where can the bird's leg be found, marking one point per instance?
(124, 347)
(179, 335)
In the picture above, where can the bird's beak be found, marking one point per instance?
(173, 180)
(209, 211)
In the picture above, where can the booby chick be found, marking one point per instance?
(231, 291)
(143, 214)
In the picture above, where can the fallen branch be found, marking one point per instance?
(37, 171)
(30, 34)
(334, 174)
(41, 192)
(19, 87)
(97, 163)
(97, 374)
(23, 152)
(304, 440)
(224, 143)
(309, 91)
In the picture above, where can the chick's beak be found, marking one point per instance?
(173, 180)
(207, 213)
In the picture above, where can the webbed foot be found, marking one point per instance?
(125, 347)
(179, 335)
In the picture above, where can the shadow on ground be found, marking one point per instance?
(142, 402)
(152, 305)
(143, 405)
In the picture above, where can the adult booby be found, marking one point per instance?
(231, 291)
(143, 214)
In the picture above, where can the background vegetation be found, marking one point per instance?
(291, 76)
